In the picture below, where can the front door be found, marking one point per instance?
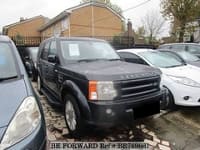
(52, 76)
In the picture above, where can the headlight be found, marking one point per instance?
(102, 90)
(185, 81)
(26, 119)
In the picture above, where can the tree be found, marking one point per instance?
(153, 24)
(107, 2)
(180, 12)
(140, 32)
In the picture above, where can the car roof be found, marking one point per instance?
(136, 51)
(77, 38)
(4, 38)
(180, 44)
(172, 50)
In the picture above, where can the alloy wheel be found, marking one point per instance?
(70, 115)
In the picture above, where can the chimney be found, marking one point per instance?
(21, 19)
(129, 27)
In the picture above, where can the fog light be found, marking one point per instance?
(186, 98)
(108, 111)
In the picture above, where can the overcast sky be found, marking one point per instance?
(12, 10)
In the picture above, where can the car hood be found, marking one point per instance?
(12, 95)
(113, 70)
(183, 71)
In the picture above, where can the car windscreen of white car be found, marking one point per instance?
(7, 64)
(188, 56)
(87, 51)
(161, 60)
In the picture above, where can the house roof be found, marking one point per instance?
(24, 21)
(70, 10)
(5, 28)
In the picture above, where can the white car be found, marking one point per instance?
(182, 81)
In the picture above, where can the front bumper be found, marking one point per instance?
(105, 113)
(35, 141)
(179, 91)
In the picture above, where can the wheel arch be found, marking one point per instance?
(69, 87)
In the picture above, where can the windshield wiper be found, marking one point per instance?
(90, 60)
(7, 78)
(115, 59)
(174, 66)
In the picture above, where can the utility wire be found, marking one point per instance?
(136, 6)
(110, 16)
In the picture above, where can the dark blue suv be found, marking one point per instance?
(22, 124)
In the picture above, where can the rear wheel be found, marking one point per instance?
(73, 117)
(39, 84)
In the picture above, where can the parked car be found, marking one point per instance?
(87, 77)
(22, 124)
(29, 58)
(181, 80)
(183, 56)
(193, 48)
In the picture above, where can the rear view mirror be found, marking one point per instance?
(52, 58)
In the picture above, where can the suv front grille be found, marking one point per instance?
(139, 87)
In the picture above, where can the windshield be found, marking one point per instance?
(161, 60)
(33, 52)
(87, 50)
(7, 64)
(187, 56)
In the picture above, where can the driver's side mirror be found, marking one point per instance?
(52, 58)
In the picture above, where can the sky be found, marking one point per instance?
(12, 10)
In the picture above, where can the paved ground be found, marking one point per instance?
(179, 130)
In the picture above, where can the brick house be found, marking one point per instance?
(87, 19)
(25, 27)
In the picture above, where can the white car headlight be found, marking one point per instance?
(26, 119)
(185, 81)
(102, 90)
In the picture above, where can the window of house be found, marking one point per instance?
(56, 30)
(65, 23)
(53, 50)
(45, 51)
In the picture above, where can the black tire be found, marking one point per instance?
(34, 77)
(39, 85)
(75, 130)
(169, 101)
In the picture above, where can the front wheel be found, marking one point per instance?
(72, 116)
(168, 103)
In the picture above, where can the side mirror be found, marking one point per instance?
(52, 58)
(29, 68)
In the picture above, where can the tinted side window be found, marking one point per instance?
(193, 49)
(181, 47)
(45, 51)
(53, 49)
(129, 57)
(165, 47)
